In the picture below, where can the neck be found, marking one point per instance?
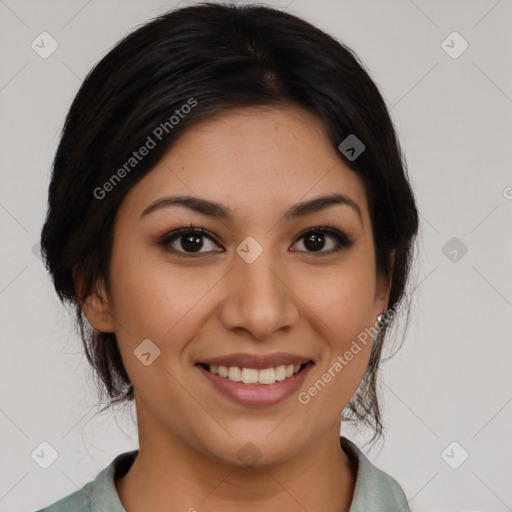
(174, 474)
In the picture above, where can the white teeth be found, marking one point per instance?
(249, 376)
(235, 374)
(254, 376)
(267, 376)
(281, 372)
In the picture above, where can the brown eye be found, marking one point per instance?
(191, 241)
(316, 239)
(187, 241)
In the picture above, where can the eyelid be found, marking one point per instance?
(344, 241)
(176, 233)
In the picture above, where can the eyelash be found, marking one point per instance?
(344, 241)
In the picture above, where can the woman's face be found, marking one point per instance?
(255, 284)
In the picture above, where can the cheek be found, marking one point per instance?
(341, 305)
(157, 301)
(151, 296)
(344, 318)
(342, 296)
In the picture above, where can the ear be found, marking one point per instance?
(383, 288)
(94, 302)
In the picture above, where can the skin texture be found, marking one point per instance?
(258, 162)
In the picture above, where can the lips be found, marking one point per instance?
(248, 394)
(256, 361)
(255, 380)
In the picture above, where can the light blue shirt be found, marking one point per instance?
(375, 491)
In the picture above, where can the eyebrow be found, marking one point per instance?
(217, 210)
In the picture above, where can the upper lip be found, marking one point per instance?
(256, 361)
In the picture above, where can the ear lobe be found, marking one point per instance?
(94, 302)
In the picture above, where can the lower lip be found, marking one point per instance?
(257, 394)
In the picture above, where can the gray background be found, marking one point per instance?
(450, 382)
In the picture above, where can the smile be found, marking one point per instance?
(253, 375)
(255, 387)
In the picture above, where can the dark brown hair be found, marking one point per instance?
(221, 57)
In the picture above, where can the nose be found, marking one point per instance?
(259, 297)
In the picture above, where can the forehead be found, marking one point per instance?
(255, 160)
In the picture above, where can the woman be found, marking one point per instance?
(230, 215)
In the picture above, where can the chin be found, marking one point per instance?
(254, 450)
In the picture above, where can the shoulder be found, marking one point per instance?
(77, 501)
(98, 494)
(375, 489)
